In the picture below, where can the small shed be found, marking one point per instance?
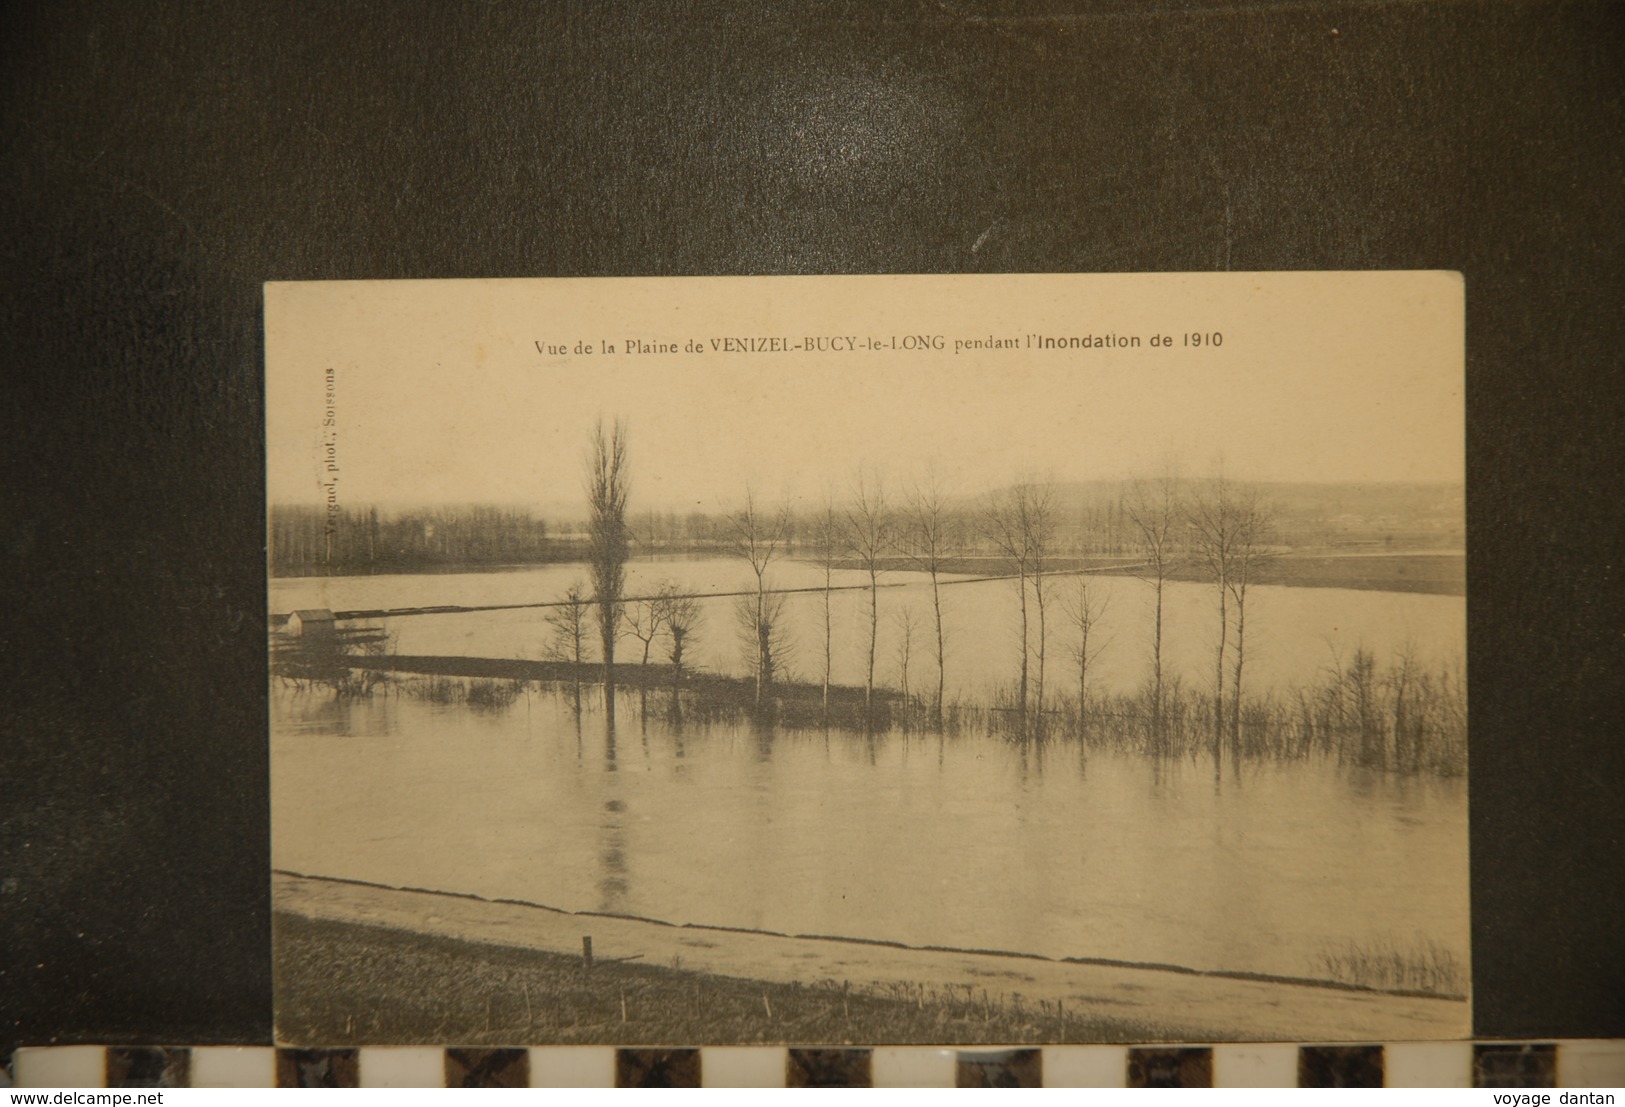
(312, 622)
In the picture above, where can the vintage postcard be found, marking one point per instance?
(880, 659)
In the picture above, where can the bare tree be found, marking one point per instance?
(1212, 514)
(681, 614)
(872, 535)
(828, 542)
(1401, 681)
(1038, 519)
(1153, 508)
(1004, 524)
(759, 537)
(1084, 609)
(609, 542)
(1020, 522)
(1254, 522)
(760, 619)
(1361, 678)
(904, 618)
(932, 534)
(568, 621)
(644, 619)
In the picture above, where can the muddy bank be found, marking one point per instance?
(962, 989)
(694, 695)
(341, 983)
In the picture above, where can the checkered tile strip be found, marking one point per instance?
(1564, 1064)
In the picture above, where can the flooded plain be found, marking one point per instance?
(1293, 634)
(967, 841)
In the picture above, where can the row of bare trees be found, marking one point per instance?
(670, 618)
(1219, 524)
(1231, 524)
(876, 531)
(319, 540)
(870, 532)
(1219, 527)
(1224, 528)
(1216, 529)
(668, 614)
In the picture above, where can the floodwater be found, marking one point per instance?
(967, 841)
(1293, 634)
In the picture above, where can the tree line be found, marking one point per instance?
(312, 540)
(1219, 524)
(1404, 716)
(1221, 529)
(315, 541)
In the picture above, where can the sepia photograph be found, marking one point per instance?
(868, 659)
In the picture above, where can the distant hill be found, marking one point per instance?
(1430, 515)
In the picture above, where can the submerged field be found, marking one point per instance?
(1321, 844)
(967, 840)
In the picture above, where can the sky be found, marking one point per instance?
(482, 392)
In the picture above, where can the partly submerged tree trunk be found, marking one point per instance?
(1021, 697)
(764, 673)
(829, 652)
(1038, 687)
(1218, 673)
(874, 639)
(1235, 686)
(942, 680)
(932, 530)
(1156, 662)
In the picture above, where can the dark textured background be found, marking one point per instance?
(161, 160)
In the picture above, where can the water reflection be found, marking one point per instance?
(674, 726)
(612, 880)
(1298, 629)
(830, 830)
(764, 732)
(575, 711)
(320, 712)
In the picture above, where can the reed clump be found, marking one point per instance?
(1423, 965)
(477, 693)
(1400, 717)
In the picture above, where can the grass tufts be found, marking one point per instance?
(1422, 966)
(347, 983)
